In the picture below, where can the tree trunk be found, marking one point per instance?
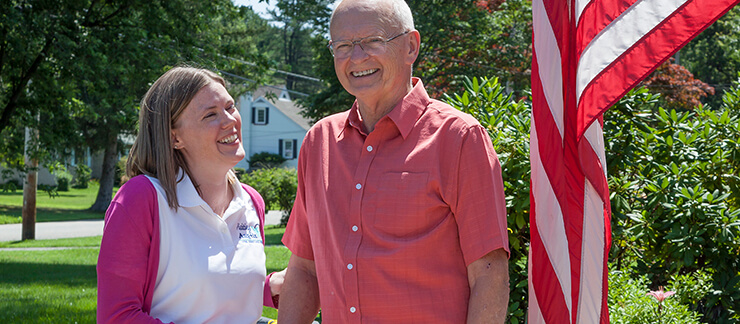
(28, 214)
(107, 177)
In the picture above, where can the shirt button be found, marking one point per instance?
(369, 148)
(349, 266)
(354, 228)
(358, 186)
(352, 310)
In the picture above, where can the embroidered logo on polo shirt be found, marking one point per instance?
(249, 234)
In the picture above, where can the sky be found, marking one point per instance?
(261, 7)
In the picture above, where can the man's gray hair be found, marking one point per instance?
(397, 15)
(403, 15)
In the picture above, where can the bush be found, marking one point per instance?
(265, 160)
(12, 185)
(675, 191)
(121, 177)
(82, 176)
(508, 125)
(673, 178)
(277, 187)
(64, 178)
(239, 172)
(629, 303)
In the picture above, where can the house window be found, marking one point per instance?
(260, 115)
(288, 148)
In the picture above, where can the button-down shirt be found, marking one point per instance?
(393, 218)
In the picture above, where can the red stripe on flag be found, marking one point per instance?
(568, 159)
(597, 15)
(646, 55)
(546, 286)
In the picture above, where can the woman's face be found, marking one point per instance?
(209, 131)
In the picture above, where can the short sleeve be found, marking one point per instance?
(297, 237)
(480, 206)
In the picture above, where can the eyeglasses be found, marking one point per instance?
(372, 45)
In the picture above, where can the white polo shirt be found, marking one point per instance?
(211, 269)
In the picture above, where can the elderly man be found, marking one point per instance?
(400, 214)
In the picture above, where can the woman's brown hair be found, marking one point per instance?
(153, 153)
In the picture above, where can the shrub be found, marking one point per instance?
(277, 187)
(675, 190)
(82, 176)
(12, 185)
(121, 177)
(674, 185)
(629, 303)
(64, 178)
(239, 172)
(265, 160)
(508, 125)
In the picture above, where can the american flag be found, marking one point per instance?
(587, 55)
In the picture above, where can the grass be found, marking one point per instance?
(56, 286)
(92, 241)
(60, 286)
(68, 205)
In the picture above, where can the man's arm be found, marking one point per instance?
(489, 288)
(299, 298)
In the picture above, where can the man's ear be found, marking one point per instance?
(414, 43)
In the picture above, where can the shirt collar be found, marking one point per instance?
(187, 196)
(404, 115)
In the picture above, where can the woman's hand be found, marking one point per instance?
(276, 282)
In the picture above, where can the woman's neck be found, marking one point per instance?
(214, 190)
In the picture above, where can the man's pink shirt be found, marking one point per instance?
(393, 218)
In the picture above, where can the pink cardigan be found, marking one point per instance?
(129, 253)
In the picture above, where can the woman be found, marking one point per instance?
(183, 239)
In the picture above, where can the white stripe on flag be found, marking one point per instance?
(550, 220)
(621, 34)
(549, 62)
(534, 313)
(592, 244)
(580, 5)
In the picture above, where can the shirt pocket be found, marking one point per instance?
(401, 203)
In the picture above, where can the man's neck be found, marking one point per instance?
(372, 110)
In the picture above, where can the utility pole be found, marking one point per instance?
(29, 186)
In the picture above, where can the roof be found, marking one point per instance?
(282, 102)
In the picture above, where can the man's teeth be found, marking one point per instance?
(229, 139)
(364, 73)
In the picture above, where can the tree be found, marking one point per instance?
(123, 69)
(478, 38)
(301, 20)
(677, 86)
(714, 55)
(83, 65)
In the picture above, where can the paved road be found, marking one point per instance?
(55, 230)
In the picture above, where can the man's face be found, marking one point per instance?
(380, 73)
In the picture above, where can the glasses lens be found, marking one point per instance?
(373, 45)
(342, 48)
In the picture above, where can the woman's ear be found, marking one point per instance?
(176, 143)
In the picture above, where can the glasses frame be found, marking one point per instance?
(359, 42)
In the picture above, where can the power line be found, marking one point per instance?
(300, 76)
(269, 86)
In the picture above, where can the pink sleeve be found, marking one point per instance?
(480, 204)
(259, 205)
(129, 255)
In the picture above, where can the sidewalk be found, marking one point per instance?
(83, 228)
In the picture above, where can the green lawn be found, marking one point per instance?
(68, 205)
(59, 286)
